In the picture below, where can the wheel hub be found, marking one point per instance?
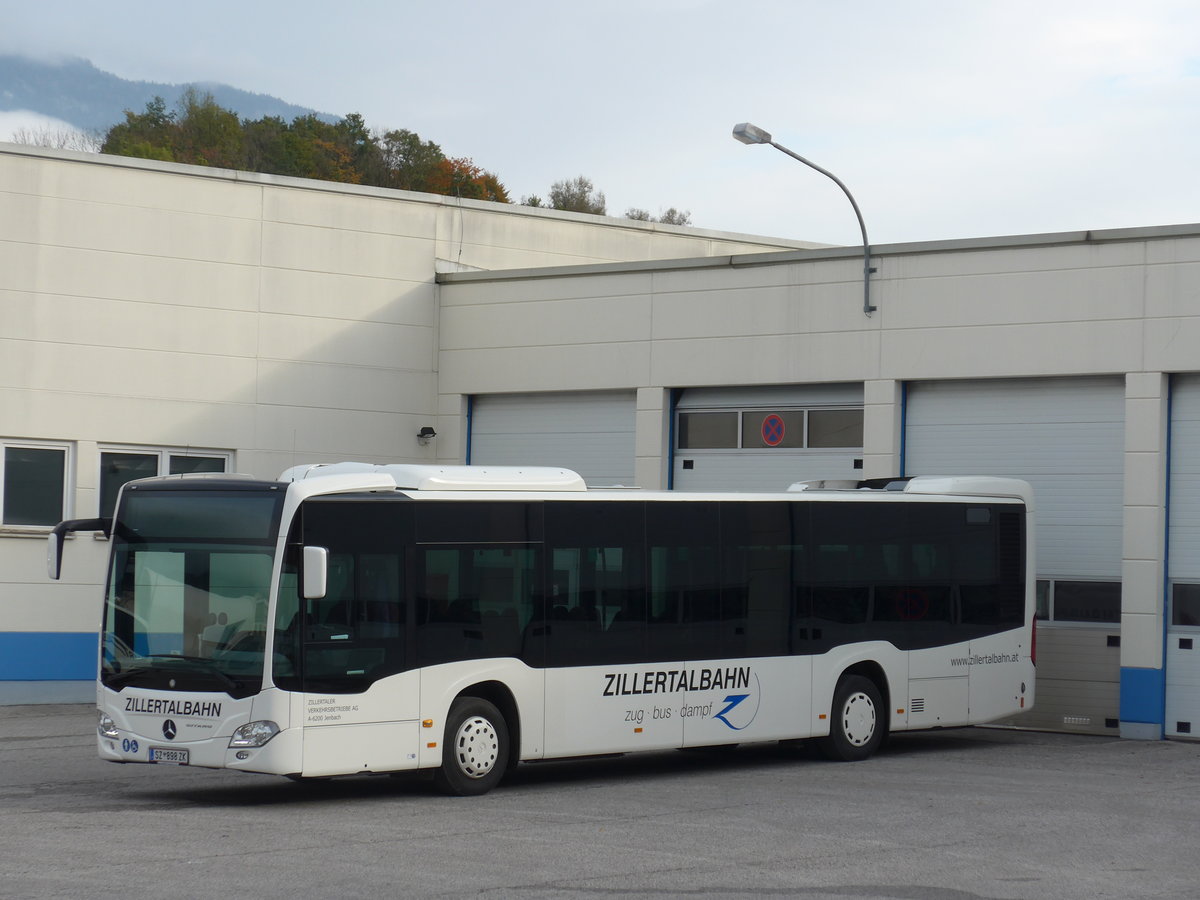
(476, 747)
(858, 719)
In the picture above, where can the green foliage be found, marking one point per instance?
(146, 136)
(672, 216)
(411, 164)
(201, 132)
(577, 195)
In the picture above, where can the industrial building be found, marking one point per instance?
(160, 318)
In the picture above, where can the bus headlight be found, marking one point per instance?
(254, 734)
(105, 725)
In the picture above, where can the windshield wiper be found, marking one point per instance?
(231, 684)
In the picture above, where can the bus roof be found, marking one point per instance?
(545, 479)
(451, 478)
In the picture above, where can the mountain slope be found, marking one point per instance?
(77, 92)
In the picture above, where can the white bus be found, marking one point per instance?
(353, 619)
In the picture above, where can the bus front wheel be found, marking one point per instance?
(474, 750)
(858, 722)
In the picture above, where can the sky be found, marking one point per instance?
(945, 118)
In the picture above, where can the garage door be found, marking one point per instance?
(766, 438)
(589, 432)
(1066, 437)
(1183, 572)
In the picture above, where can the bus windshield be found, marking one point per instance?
(186, 606)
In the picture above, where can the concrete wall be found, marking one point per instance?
(153, 305)
(145, 304)
(1123, 303)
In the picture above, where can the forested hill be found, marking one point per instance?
(75, 91)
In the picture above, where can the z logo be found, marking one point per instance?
(732, 700)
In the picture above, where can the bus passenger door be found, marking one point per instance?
(359, 697)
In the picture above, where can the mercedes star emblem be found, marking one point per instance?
(169, 730)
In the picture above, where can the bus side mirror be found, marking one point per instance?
(316, 572)
(54, 542)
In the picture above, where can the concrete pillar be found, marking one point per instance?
(1143, 617)
(882, 423)
(652, 453)
(450, 423)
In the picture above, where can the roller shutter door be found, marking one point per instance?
(1183, 574)
(817, 430)
(1066, 437)
(589, 432)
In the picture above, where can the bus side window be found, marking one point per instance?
(596, 609)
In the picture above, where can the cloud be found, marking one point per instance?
(24, 122)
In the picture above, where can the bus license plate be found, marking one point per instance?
(169, 755)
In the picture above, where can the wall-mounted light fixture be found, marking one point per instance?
(425, 435)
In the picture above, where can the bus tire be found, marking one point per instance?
(474, 748)
(857, 721)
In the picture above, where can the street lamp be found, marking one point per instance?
(750, 134)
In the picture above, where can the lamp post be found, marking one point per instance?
(750, 134)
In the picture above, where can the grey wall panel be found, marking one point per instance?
(761, 471)
(1185, 479)
(1183, 538)
(765, 469)
(589, 432)
(1063, 435)
(772, 395)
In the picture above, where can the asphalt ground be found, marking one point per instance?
(950, 815)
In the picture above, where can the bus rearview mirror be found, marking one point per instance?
(316, 572)
(53, 555)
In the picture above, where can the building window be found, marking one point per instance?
(771, 429)
(835, 428)
(1185, 605)
(708, 430)
(118, 467)
(34, 485)
(1079, 601)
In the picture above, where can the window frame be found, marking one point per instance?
(68, 489)
(1173, 599)
(739, 431)
(163, 455)
(1051, 618)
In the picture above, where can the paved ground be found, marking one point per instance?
(976, 813)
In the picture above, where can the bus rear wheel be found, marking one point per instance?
(858, 722)
(474, 749)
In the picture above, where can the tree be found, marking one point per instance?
(145, 135)
(204, 133)
(59, 139)
(462, 178)
(674, 216)
(410, 164)
(577, 195)
(671, 217)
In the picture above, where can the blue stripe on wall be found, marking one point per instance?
(48, 656)
(1143, 695)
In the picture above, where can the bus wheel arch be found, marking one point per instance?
(859, 714)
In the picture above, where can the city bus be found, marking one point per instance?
(358, 619)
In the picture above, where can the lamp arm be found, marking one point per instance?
(867, 270)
